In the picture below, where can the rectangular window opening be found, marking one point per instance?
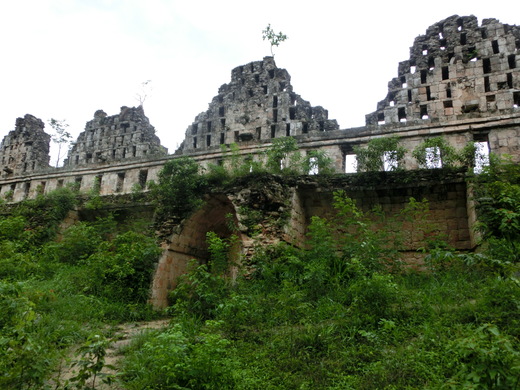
(321, 124)
(275, 115)
(486, 65)
(424, 74)
(487, 86)
(428, 94)
(494, 45)
(222, 135)
(273, 131)
(194, 128)
(26, 189)
(120, 181)
(380, 118)
(463, 38)
(134, 151)
(445, 73)
(481, 157)
(194, 142)
(305, 128)
(401, 114)
(511, 59)
(350, 163)
(275, 101)
(292, 113)
(390, 161)
(208, 140)
(424, 111)
(258, 133)
(409, 96)
(516, 99)
(510, 80)
(287, 129)
(237, 136)
(223, 123)
(431, 63)
(433, 158)
(313, 166)
(221, 111)
(447, 104)
(271, 74)
(60, 183)
(209, 126)
(265, 89)
(143, 178)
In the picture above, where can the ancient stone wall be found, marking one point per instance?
(25, 149)
(457, 70)
(258, 104)
(109, 139)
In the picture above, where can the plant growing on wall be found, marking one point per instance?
(381, 154)
(436, 152)
(61, 136)
(179, 190)
(273, 38)
(283, 156)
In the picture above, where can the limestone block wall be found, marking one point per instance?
(25, 149)
(128, 135)
(448, 204)
(258, 104)
(457, 69)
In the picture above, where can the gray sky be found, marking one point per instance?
(65, 59)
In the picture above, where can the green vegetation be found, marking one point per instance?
(380, 154)
(436, 152)
(60, 290)
(340, 312)
(273, 38)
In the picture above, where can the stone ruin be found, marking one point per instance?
(26, 148)
(257, 105)
(109, 139)
(457, 70)
(462, 81)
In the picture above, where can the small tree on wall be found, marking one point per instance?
(273, 38)
(61, 136)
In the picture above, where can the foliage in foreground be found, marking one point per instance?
(340, 314)
(56, 291)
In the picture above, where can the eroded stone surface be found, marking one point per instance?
(26, 148)
(257, 104)
(109, 139)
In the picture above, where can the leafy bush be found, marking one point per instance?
(179, 189)
(175, 360)
(380, 154)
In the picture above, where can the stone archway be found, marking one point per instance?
(189, 242)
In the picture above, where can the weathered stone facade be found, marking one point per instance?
(258, 104)
(26, 148)
(109, 139)
(457, 70)
(462, 81)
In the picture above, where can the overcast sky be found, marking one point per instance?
(65, 59)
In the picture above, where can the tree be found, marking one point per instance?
(145, 90)
(274, 39)
(61, 136)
